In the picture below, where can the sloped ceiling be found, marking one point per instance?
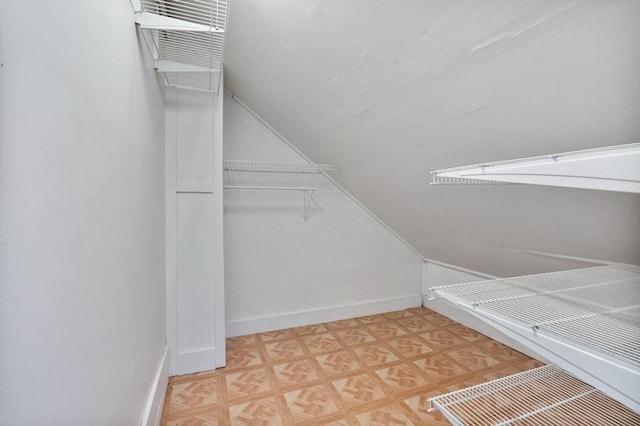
(390, 90)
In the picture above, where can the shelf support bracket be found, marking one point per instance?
(306, 206)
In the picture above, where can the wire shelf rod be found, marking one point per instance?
(544, 313)
(539, 293)
(190, 10)
(273, 188)
(525, 281)
(546, 281)
(191, 14)
(585, 316)
(171, 49)
(265, 166)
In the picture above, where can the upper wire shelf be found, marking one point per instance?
(614, 168)
(589, 318)
(185, 37)
(543, 396)
(274, 176)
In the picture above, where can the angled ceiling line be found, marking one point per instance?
(329, 178)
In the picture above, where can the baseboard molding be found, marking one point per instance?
(153, 410)
(196, 361)
(314, 316)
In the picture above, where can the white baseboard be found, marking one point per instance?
(153, 410)
(192, 362)
(315, 316)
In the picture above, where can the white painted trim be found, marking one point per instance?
(315, 316)
(202, 360)
(329, 178)
(171, 268)
(153, 409)
(218, 230)
(480, 275)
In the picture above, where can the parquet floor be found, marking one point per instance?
(374, 370)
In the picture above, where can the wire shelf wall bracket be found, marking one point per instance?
(587, 321)
(614, 168)
(186, 39)
(273, 176)
(543, 395)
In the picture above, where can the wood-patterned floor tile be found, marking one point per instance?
(310, 403)
(391, 414)
(319, 343)
(336, 363)
(247, 383)
(355, 336)
(358, 390)
(419, 404)
(473, 358)
(243, 357)
(402, 377)
(371, 370)
(386, 330)
(375, 354)
(296, 372)
(262, 411)
(284, 349)
(190, 395)
(439, 367)
(410, 346)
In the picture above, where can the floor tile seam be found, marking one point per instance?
(408, 413)
(449, 358)
(370, 406)
(410, 363)
(283, 409)
(185, 378)
(314, 365)
(333, 336)
(353, 356)
(315, 419)
(192, 412)
(415, 415)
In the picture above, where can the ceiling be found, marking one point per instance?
(390, 90)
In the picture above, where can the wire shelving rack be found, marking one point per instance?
(274, 176)
(587, 321)
(613, 168)
(186, 39)
(543, 396)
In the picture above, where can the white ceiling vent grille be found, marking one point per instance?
(186, 39)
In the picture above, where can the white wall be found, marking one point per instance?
(82, 316)
(392, 90)
(195, 265)
(282, 271)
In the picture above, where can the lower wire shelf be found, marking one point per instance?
(586, 321)
(543, 396)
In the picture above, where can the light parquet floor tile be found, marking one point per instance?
(371, 370)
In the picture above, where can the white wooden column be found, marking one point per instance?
(194, 239)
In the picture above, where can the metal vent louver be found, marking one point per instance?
(186, 39)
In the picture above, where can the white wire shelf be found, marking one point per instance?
(185, 36)
(273, 176)
(542, 396)
(273, 167)
(615, 168)
(585, 320)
